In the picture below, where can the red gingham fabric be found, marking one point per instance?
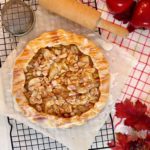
(138, 45)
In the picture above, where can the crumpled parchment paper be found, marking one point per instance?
(79, 137)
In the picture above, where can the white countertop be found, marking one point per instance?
(5, 143)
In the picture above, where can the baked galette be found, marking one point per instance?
(61, 79)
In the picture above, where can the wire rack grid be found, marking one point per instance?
(26, 138)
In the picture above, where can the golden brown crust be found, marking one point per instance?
(52, 39)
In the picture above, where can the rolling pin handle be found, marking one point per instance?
(114, 28)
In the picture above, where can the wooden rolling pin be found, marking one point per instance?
(82, 14)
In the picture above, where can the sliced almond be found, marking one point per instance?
(82, 90)
(53, 71)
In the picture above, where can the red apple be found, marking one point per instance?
(141, 16)
(119, 6)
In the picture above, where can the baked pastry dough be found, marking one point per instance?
(61, 79)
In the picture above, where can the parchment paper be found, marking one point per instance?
(79, 137)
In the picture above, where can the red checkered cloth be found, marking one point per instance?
(138, 45)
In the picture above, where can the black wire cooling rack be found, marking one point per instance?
(26, 138)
